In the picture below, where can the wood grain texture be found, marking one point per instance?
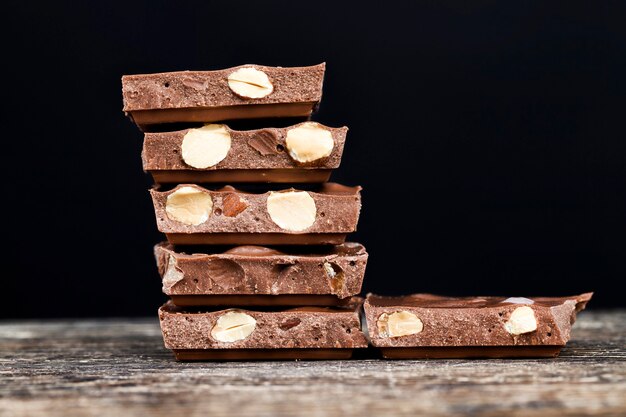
(120, 368)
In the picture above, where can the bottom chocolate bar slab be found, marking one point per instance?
(261, 354)
(259, 300)
(430, 326)
(295, 333)
(461, 352)
(256, 238)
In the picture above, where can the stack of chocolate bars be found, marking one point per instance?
(255, 264)
(262, 271)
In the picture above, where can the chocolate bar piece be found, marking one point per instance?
(430, 326)
(236, 334)
(303, 153)
(192, 215)
(244, 92)
(260, 276)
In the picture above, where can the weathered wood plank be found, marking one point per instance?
(119, 367)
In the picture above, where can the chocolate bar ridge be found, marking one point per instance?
(253, 270)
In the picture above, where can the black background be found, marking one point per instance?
(488, 136)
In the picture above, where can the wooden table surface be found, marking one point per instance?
(120, 368)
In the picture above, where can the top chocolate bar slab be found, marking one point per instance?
(243, 92)
(262, 276)
(425, 325)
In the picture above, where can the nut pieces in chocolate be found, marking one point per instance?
(266, 274)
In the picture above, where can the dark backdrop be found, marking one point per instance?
(488, 137)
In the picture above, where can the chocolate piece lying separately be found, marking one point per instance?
(430, 326)
(209, 96)
(235, 334)
(255, 275)
(261, 155)
(190, 214)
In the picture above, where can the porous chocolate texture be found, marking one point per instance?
(425, 325)
(259, 155)
(205, 96)
(235, 217)
(255, 275)
(297, 333)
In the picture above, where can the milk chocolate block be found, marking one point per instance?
(244, 92)
(260, 276)
(430, 326)
(303, 153)
(193, 215)
(237, 334)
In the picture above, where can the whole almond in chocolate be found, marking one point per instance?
(291, 210)
(189, 205)
(233, 326)
(309, 142)
(233, 204)
(206, 146)
(522, 320)
(249, 82)
(398, 323)
(266, 142)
